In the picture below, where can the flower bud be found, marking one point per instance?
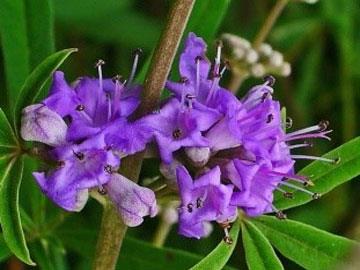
(132, 201)
(41, 124)
(169, 171)
(199, 155)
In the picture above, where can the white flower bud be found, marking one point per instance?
(265, 49)
(285, 69)
(276, 59)
(257, 70)
(251, 56)
(199, 155)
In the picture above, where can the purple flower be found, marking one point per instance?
(132, 201)
(198, 80)
(79, 168)
(41, 124)
(204, 199)
(177, 125)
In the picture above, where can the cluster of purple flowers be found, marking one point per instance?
(223, 154)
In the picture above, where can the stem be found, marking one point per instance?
(237, 78)
(269, 22)
(162, 231)
(112, 230)
(111, 235)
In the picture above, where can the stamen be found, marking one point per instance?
(308, 136)
(79, 155)
(81, 109)
(215, 82)
(286, 194)
(322, 126)
(227, 239)
(288, 122)
(101, 190)
(269, 80)
(225, 67)
(108, 169)
(177, 133)
(314, 158)
(60, 164)
(98, 65)
(190, 207)
(299, 178)
(117, 96)
(314, 195)
(197, 85)
(183, 80)
(278, 213)
(219, 46)
(300, 145)
(109, 112)
(137, 53)
(199, 203)
(189, 98)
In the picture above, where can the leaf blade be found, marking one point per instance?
(308, 246)
(327, 176)
(218, 258)
(10, 211)
(258, 250)
(37, 79)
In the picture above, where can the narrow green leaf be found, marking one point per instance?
(40, 29)
(7, 136)
(217, 258)
(206, 18)
(14, 45)
(308, 246)
(10, 212)
(4, 250)
(258, 251)
(37, 79)
(327, 176)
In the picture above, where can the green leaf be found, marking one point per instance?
(217, 258)
(49, 254)
(37, 79)
(10, 212)
(7, 136)
(40, 29)
(308, 246)
(206, 18)
(4, 250)
(327, 176)
(14, 45)
(258, 251)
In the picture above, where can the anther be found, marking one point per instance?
(190, 96)
(337, 160)
(177, 133)
(288, 122)
(308, 183)
(102, 190)
(288, 195)
(198, 58)
(80, 107)
(184, 80)
(108, 169)
(228, 240)
(60, 164)
(316, 196)
(190, 207)
(264, 97)
(99, 63)
(280, 215)
(269, 118)
(270, 80)
(199, 203)
(116, 78)
(323, 125)
(137, 54)
(79, 155)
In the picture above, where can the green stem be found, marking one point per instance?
(111, 235)
(112, 230)
(162, 231)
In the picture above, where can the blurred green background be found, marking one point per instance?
(321, 41)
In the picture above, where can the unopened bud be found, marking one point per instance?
(199, 155)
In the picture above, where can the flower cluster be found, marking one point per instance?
(222, 154)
